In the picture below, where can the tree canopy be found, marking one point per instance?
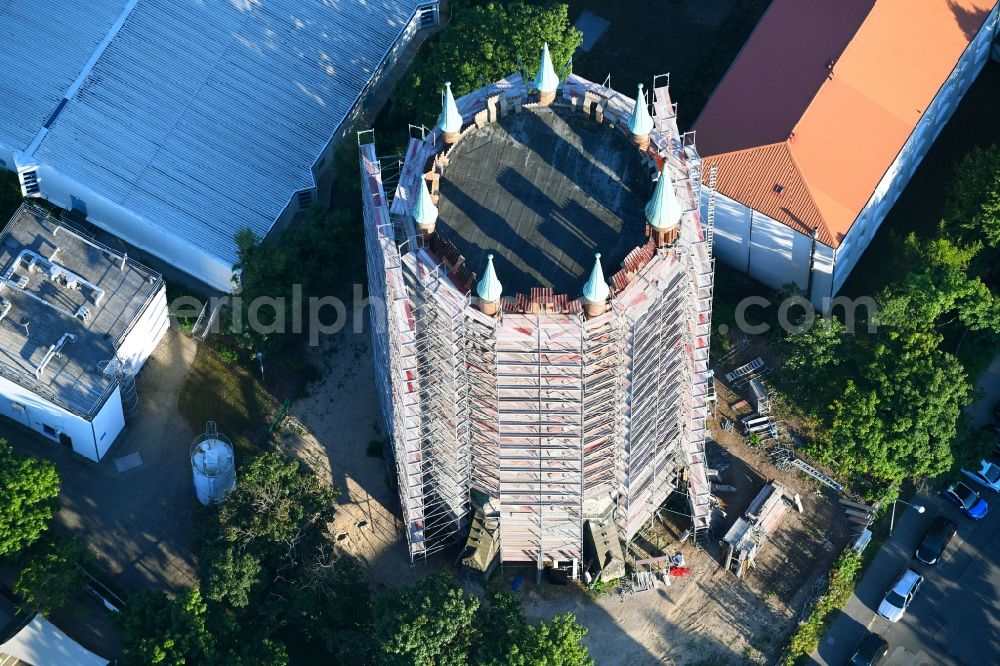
(185, 631)
(889, 404)
(436, 622)
(972, 212)
(270, 578)
(29, 487)
(482, 44)
(52, 577)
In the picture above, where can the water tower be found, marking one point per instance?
(213, 465)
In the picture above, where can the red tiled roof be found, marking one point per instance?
(823, 97)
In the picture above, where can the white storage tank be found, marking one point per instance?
(213, 464)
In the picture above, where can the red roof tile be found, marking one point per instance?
(823, 97)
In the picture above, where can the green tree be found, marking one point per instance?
(939, 289)
(268, 527)
(186, 630)
(266, 557)
(972, 212)
(28, 490)
(432, 622)
(436, 622)
(52, 577)
(555, 643)
(481, 44)
(508, 640)
(158, 630)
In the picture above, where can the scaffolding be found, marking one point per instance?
(557, 419)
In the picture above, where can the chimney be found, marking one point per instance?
(663, 212)
(450, 120)
(546, 82)
(489, 289)
(640, 123)
(595, 291)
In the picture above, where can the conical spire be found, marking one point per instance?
(546, 80)
(489, 288)
(450, 120)
(640, 123)
(664, 210)
(425, 213)
(596, 290)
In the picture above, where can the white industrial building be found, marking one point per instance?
(821, 121)
(173, 124)
(77, 321)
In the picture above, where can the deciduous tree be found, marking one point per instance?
(482, 44)
(52, 577)
(429, 623)
(29, 487)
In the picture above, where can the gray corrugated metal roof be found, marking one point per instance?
(43, 46)
(206, 117)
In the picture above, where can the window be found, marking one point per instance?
(428, 16)
(305, 199)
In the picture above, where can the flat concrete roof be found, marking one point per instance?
(543, 190)
(54, 282)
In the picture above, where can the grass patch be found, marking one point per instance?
(230, 395)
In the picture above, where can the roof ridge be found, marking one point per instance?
(824, 230)
(833, 65)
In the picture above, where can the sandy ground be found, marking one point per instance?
(705, 618)
(709, 617)
(329, 430)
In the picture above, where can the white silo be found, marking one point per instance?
(213, 464)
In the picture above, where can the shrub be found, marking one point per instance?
(843, 576)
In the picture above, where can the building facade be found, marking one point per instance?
(77, 322)
(535, 393)
(820, 123)
(174, 125)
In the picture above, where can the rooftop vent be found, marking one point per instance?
(778, 188)
(82, 313)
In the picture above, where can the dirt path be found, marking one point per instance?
(330, 430)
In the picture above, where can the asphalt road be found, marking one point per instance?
(955, 618)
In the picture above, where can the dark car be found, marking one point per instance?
(967, 500)
(870, 651)
(935, 541)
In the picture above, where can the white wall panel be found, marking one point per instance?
(732, 222)
(39, 413)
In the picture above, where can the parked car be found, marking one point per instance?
(967, 500)
(900, 596)
(987, 475)
(870, 651)
(935, 541)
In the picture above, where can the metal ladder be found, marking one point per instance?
(816, 474)
(710, 222)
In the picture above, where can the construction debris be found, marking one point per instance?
(749, 533)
